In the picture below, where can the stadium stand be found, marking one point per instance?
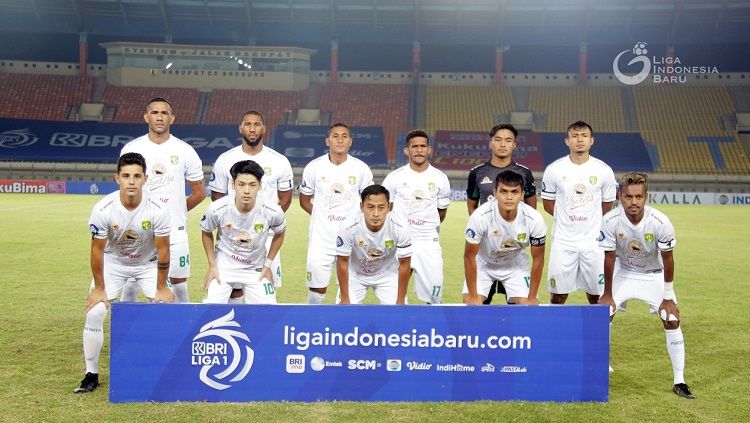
(131, 102)
(226, 106)
(45, 97)
(599, 106)
(466, 108)
(679, 119)
(369, 105)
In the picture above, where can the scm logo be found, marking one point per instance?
(363, 364)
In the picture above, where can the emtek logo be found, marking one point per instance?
(233, 360)
(363, 364)
(295, 363)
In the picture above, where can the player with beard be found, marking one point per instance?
(640, 240)
(171, 163)
(277, 178)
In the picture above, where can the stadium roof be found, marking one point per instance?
(673, 16)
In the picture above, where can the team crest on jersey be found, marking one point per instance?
(389, 244)
(267, 170)
(593, 180)
(431, 186)
(146, 224)
(174, 160)
(352, 180)
(649, 237)
(522, 237)
(258, 228)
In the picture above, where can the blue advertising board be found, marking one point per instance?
(301, 144)
(198, 352)
(46, 140)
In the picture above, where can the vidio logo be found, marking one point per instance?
(222, 358)
(640, 52)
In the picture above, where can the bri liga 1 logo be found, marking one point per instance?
(223, 353)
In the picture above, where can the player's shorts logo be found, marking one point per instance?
(553, 283)
(227, 357)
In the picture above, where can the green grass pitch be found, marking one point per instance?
(45, 278)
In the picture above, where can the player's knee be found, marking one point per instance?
(319, 290)
(95, 317)
(559, 298)
(175, 281)
(671, 325)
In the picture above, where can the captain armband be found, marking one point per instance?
(537, 242)
(160, 265)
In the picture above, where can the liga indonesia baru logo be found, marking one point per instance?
(665, 69)
(221, 353)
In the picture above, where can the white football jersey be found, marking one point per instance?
(416, 198)
(578, 191)
(277, 172)
(168, 165)
(502, 244)
(335, 190)
(373, 254)
(242, 237)
(638, 246)
(129, 234)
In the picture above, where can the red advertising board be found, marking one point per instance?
(457, 150)
(22, 186)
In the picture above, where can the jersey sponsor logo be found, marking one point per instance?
(339, 241)
(508, 248)
(17, 138)
(592, 180)
(486, 180)
(258, 227)
(244, 242)
(389, 244)
(146, 224)
(635, 249)
(649, 237)
(295, 363)
(94, 230)
(228, 358)
(363, 364)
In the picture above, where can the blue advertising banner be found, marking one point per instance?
(46, 140)
(301, 144)
(198, 352)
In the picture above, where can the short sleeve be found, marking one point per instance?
(472, 192)
(444, 195)
(98, 226)
(474, 229)
(609, 186)
(607, 240)
(210, 220)
(529, 189)
(344, 241)
(161, 221)
(403, 243)
(193, 165)
(549, 186)
(219, 181)
(307, 186)
(666, 240)
(285, 182)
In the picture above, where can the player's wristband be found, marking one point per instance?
(160, 265)
(268, 263)
(669, 291)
